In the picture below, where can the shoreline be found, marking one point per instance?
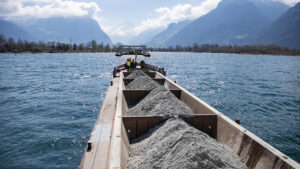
(237, 53)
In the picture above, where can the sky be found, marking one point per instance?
(120, 19)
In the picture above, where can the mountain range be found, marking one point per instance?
(232, 22)
(61, 29)
(244, 22)
(14, 31)
(285, 31)
(159, 40)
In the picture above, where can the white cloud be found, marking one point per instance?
(165, 16)
(288, 2)
(176, 14)
(120, 33)
(121, 30)
(14, 9)
(161, 17)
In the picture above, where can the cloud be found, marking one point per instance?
(176, 14)
(120, 30)
(14, 9)
(165, 16)
(288, 2)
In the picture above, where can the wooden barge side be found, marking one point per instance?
(108, 145)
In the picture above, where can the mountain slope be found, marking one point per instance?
(285, 31)
(68, 30)
(160, 39)
(9, 29)
(229, 23)
(144, 37)
(270, 9)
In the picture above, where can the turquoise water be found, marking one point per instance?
(49, 102)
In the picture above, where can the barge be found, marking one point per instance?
(108, 146)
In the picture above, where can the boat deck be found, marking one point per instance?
(108, 145)
(98, 149)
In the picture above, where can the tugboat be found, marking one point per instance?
(108, 146)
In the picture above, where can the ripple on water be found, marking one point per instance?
(49, 102)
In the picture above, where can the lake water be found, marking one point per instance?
(49, 102)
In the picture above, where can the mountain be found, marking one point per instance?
(144, 37)
(11, 30)
(285, 31)
(160, 39)
(270, 9)
(68, 30)
(231, 22)
(122, 33)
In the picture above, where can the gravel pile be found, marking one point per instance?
(142, 82)
(136, 73)
(175, 144)
(160, 101)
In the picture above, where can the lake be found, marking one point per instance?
(49, 102)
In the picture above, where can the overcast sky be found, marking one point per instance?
(116, 17)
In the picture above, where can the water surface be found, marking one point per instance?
(49, 102)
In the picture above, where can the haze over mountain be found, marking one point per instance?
(144, 37)
(160, 39)
(270, 9)
(12, 30)
(60, 29)
(285, 31)
(68, 30)
(230, 22)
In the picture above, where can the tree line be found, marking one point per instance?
(11, 46)
(247, 49)
(22, 46)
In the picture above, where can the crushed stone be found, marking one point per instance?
(176, 144)
(160, 101)
(136, 73)
(142, 82)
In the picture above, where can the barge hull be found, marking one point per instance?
(98, 149)
(113, 130)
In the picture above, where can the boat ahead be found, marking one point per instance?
(132, 50)
(109, 143)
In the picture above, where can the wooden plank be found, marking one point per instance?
(127, 81)
(126, 73)
(138, 126)
(206, 123)
(160, 81)
(176, 92)
(151, 74)
(98, 154)
(134, 96)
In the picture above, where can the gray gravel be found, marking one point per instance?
(175, 144)
(160, 101)
(136, 73)
(142, 82)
